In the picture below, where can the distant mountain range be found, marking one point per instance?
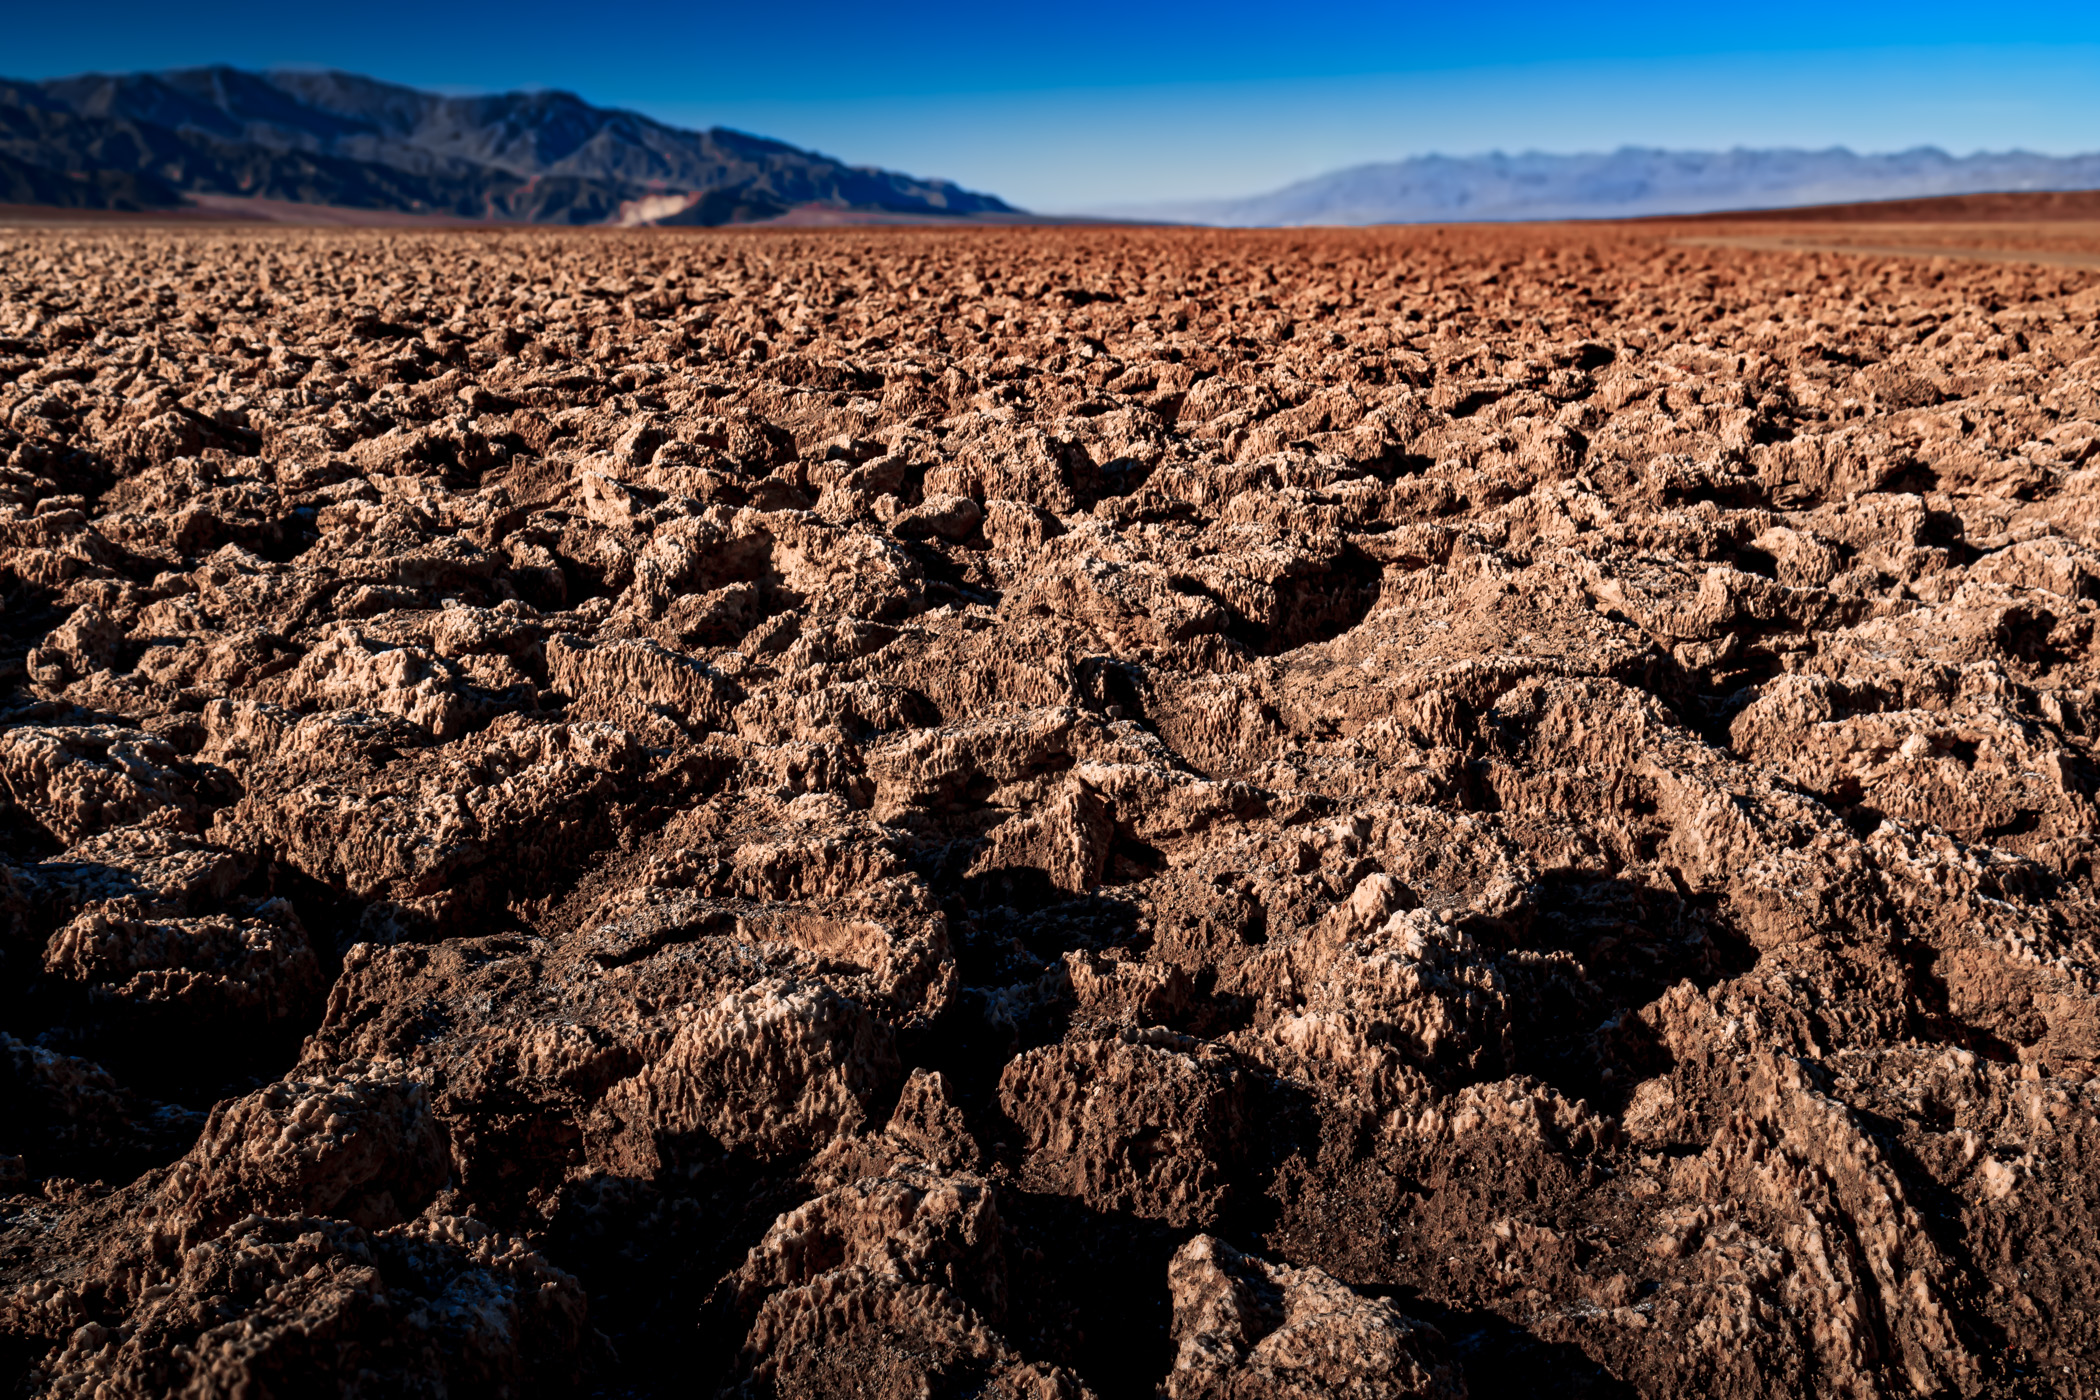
(1627, 183)
(149, 140)
(157, 140)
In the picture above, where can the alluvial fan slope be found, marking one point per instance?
(1045, 814)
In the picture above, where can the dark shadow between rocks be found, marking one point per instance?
(19, 1355)
(1932, 1013)
(1282, 1126)
(951, 577)
(1089, 1291)
(1502, 1361)
(1120, 476)
(148, 1069)
(1629, 944)
(1015, 921)
(1314, 606)
(1113, 688)
(650, 1253)
(1009, 942)
(28, 613)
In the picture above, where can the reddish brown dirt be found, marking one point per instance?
(1043, 813)
(2008, 206)
(1918, 228)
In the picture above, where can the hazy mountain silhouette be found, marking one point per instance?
(1626, 183)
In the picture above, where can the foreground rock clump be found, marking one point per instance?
(1045, 815)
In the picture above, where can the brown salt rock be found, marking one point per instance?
(1116, 989)
(161, 872)
(87, 642)
(1125, 1124)
(770, 1069)
(77, 781)
(440, 838)
(260, 967)
(318, 1307)
(353, 670)
(1405, 977)
(1397, 737)
(1013, 525)
(952, 518)
(928, 1123)
(1792, 1168)
(568, 1031)
(362, 1147)
(888, 1286)
(1245, 1328)
(2010, 939)
(638, 684)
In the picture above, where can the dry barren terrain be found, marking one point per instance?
(1041, 813)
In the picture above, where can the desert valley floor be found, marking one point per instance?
(1042, 813)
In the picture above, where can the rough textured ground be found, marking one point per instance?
(1044, 814)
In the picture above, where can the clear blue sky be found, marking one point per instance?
(1089, 105)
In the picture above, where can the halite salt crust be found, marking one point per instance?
(1044, 813)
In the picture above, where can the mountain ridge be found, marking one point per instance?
(327, 137)
(1631, 182)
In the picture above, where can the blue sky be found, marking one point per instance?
(1091, 105)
